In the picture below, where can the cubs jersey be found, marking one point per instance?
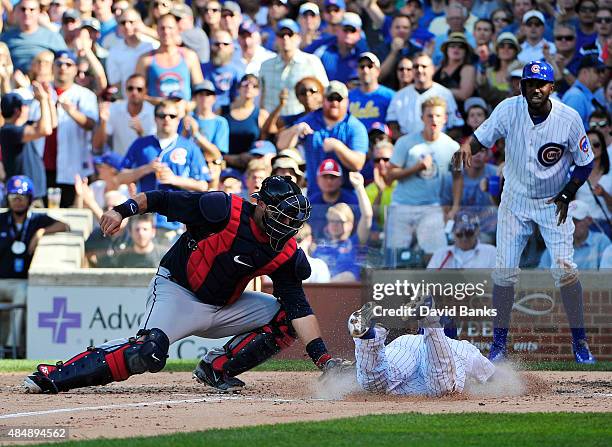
(538, 156)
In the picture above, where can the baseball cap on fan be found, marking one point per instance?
(309, 7)
(331, 167)
(534, 13)
(336, 87)
(465, 220)
(371, 57)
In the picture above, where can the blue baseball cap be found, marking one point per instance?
(339, 3)
(20, 184)
(380, 127)
(11, 102)
(288, 24)
(539, 70)
(248, 26)
(65, 54)
(230, 173)
(263, 147)
(113, 159)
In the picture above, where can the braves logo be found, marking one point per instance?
(179, 156)
(584, 144)
(550, 154)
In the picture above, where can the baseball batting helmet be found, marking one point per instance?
(538, 70)
(286, 209)
(20, 184)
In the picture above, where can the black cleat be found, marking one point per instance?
(39, 383)
(204, 373)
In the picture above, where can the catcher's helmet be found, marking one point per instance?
(538, 70)
(286, 209)
(20, 184)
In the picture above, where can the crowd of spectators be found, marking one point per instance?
(361, 102)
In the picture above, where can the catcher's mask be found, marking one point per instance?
(286, 209)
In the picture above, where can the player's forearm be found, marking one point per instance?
(306, 328)
(457, 189)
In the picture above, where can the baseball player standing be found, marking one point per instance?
(199, 290)
(544, 140)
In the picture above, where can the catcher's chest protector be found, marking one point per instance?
(221, 265)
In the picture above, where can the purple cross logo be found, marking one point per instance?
(59, 319)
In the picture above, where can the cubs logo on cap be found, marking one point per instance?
(539, 70)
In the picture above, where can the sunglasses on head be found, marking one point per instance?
(464, 234)
(379, 159)
(602, 123)
(307, 91)
(163, 116)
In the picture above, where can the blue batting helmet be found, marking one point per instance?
(538, 70)
(20, 184)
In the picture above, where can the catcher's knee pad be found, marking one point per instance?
(246, 351)
(98, 366)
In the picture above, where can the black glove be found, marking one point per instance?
(336, 366)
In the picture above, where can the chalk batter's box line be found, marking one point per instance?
(215, 399)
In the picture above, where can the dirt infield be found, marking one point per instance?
(164, 403)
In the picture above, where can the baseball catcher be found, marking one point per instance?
(199, 289)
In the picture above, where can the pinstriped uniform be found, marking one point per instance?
(537, 167)
(430, 364)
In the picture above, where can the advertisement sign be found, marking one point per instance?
(65, 320)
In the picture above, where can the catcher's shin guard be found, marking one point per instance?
(246, 351)
(98, 366)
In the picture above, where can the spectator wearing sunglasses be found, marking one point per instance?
(330, 132)
(600, 120)
(286, 70)
(341, 57)
(165, 160)
(567, 57)
(123, 55)
(603, 26)
(126, 120)
(586, 33)
(29, 38)
(379, 190)
(467, 252)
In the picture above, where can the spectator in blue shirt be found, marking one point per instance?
(585, 31)
(369, 102)
(589, 246)
(165, 161)
(29, 38)
(580, 96)
(330, 132)
(340, 57)
(209, 130)
(224, 75)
